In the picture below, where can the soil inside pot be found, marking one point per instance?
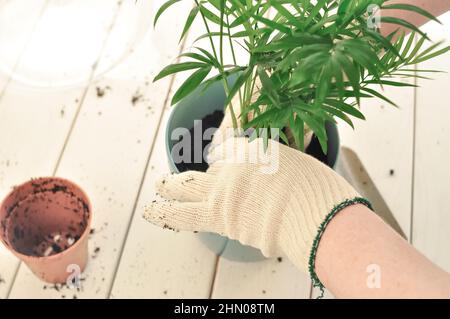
(213, 120)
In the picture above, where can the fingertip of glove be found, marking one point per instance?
(153, 214)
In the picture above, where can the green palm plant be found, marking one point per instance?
(313, 61)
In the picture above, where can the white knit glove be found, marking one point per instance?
(279, 201)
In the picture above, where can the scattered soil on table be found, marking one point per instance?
(391, 172)
(213, 120)
(280, 259)
(2, 281)
(101, 91)
(137, 96)
(96, 252)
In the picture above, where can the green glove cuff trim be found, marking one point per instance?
(312, 257)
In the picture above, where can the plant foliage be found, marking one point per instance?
(315, 60)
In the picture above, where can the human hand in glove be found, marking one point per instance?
(285, 202)
(278, 200)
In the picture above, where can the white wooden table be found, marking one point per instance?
(115, 151)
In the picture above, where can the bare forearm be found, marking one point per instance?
(359, 256)
(435, 7)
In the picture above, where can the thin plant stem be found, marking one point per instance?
(221, 70)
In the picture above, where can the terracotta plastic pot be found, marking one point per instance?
(195, 107)
(46, 223)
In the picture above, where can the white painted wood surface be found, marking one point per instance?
(109, 163)
(115, 150)
(22, 29)
(36, 124)
(157, 263)
(431, 210)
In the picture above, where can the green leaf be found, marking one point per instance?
(211, 16)
(214, 61)
(408, 45)
(237, 85)
(268, 87)
(238, 21)
(217, 4)
(241, 34)
(315, 11)
(285, 13)
(421, 58)
(361, 52)
(196, 56)
(384, 41)
(163, 8)
(190, 84)
(351, 71)
(299, 54)
(283, 137)
(295, 41)
(262, 119)
(272, 24)
(346, 108)
(208, 35)
(339, 114)
(390, 83)
(324, 81)
(297, 127)
(190, 19)
(409, 7)
(179, 67)
(403, 23)
(319, 130)
(378, 95)
(220, 77)
(342, 10)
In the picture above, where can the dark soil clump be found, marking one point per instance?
(213, 120)
(209, 121)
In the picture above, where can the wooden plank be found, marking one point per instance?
(15, 34)
(159, 263)
(107, 154)
(271, 278)
(431, 210)
(34, 125)
(10, 56)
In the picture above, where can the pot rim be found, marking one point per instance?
(66, 251)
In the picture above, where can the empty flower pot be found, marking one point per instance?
(45, 222)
